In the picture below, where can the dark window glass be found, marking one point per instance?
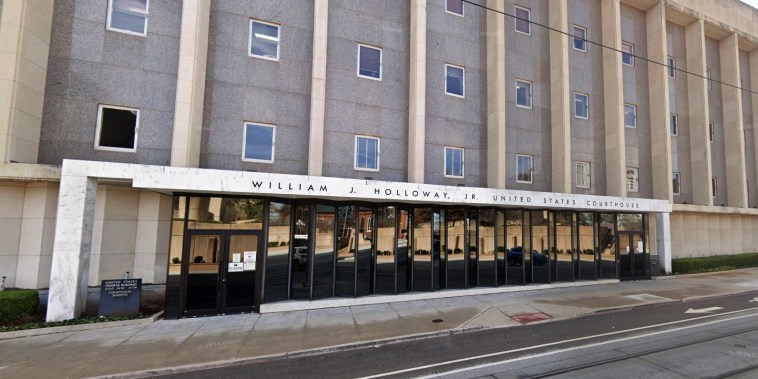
(345, 274)
(473, 250)
(515, 238)
(118, 128)
(259, 142)
(225, 213)
(370, 62)
(129, 15)
(385, 249)
(277, 252)
(403, 231)
(455, 6)
(607, 245)
(365, 255)
(422, 249)
(323, 262)
(486, 250)
(455, 80)
(301, 254)
(540, 248)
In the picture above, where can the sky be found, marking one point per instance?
(754, 3)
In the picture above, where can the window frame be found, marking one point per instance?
(463, 162)
(531, 96)
(589, 174)
(637, 171)
(463, 9)
(676, 183)
(463, 84)
(587, 97)
(673, 124)
(381, 62)
(711, 132)
(714, 187)
(278, 40)
(529, 19)
(355, 154)
(574, 39)
(671, 66)
(531, 168)
(709, 78)
(630, 54)
(109, 12)
(244, 141)
(634, 107)
(99, 127)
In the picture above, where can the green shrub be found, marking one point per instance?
(17, 303)
(716, 263)
(273, 244)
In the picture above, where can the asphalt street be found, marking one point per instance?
(715, 337)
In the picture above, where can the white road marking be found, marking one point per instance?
(755, 300)
(703, 310)
(567, 341)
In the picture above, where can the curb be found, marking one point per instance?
(699, 274)
(378, 342)
(79, 328)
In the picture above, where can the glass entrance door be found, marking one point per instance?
(219, 275)
(632, 255)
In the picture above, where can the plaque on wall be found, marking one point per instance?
(120, 297)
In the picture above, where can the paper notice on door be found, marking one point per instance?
(250, 257)
(628, 249)
(639, 246)
(236, 257)
(235, 267)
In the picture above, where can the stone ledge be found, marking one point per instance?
(691, 208)
(30, 172)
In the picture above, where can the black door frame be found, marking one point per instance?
(633, 273)
(225, 237)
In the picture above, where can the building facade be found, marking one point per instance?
(242, 153)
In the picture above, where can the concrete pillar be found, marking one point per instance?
(190, 83)
(318, 88)
(754, 88)
(153, 234)
(73, 240)
(613, 92)
(697, 86)
(658, 84)
(417, 93)
(495, 96)
(37, 228)
(733, 134)
(560, 104)
(663, 240)
(24, 47)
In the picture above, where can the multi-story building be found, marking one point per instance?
(247, 152)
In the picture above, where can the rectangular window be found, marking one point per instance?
(581, 105)
(366, 153)
(455, 80)
(630, 115)
(453, 162)
(674, 124)
(455, 7)
(627, 53)
(676, 183)
(632, 179)
(523, 18)
(711, 132)
(523, 93)
(116, 128)
(128, 16)
(259, 141)
(580, 38)
(264, 40)
(369, 62)
(713, 186)
(709, 76)
(525, 168)
(583, 174)
(671, 67)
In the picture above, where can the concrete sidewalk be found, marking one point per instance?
(175, 345)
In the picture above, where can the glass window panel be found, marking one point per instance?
(586, 248)
(580, 38)
(439, 254)
(129, 15)
(627, 55)
(674, 124)
(453, 162)
(367, 153)
(514, 247)
(455, 80)
(676, 183)
(525, 168)
(523, 16)
(473, 247)
(540, 247)
(583, 174)
(259, 143)
(403, 231)
(277, 252)
(454, 6)
(118, 128)
(202, 273)
(225, 213)
(632, 179)
(524, 93)
(607, 246)
(323, 257)
(487, 252)
(581, 105)
(173, 281)
(422, 249)
(456, 248)
(386, 236)
(370, 62)
(671, 67)
(345, 273)
(629, 222)
(630, 115)
(240, 286)
(300, 274)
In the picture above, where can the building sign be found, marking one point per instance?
(120, 297)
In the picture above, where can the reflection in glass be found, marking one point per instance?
(403, 231)
(202, 275)
(625, 255)
(225, 213)
(514, 248)
(525, 261)
(344, 284)
(240, 286)
(473, 247)
(563, 263)
(365, 257)
(438, 254)
(501, 227)
(277, 252)
(300, 275)
(586, 246)
(386, 236)
(540, 248)
(630, 222)
(607, 246)
(323, 257)
(456, 247)
(639, 257)
(487, 274)
(173, 280)
(422, 249)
